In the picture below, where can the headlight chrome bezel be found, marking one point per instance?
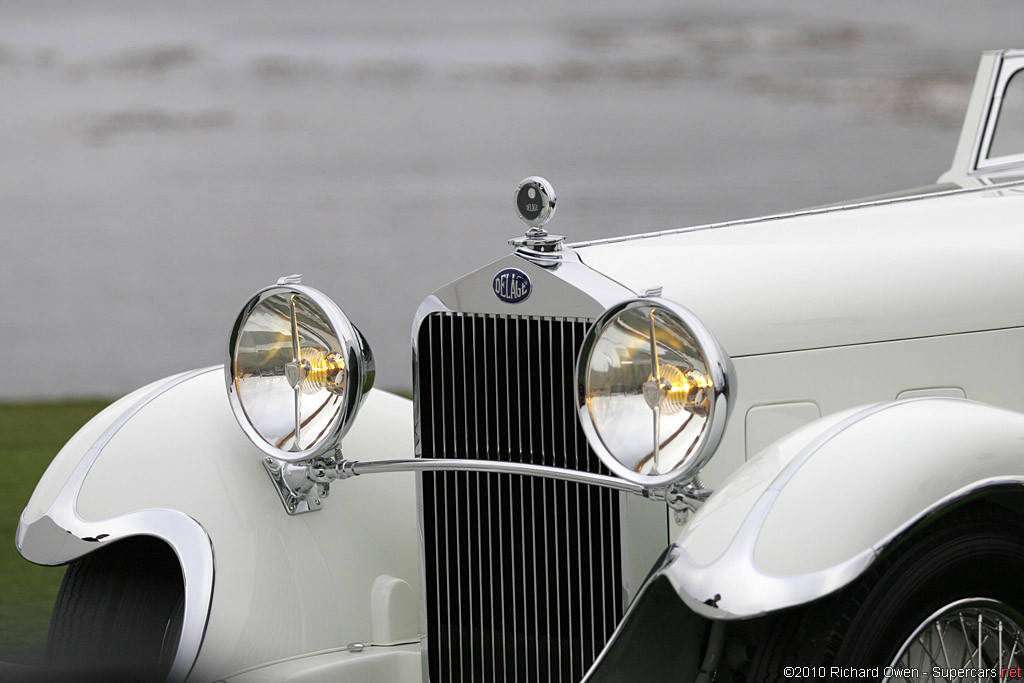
(719, 370)
(358, 370)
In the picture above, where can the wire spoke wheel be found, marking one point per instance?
(945, 604)
(968, 640)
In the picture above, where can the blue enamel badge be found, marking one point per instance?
(512, 286)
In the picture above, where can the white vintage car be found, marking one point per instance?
(810, 425)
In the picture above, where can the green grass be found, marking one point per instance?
(30, 435)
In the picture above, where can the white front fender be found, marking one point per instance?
(811, 512)
(261, 586)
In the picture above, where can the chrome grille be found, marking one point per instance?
(523, 575)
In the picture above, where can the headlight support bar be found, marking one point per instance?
(304, 485)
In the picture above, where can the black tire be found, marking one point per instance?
(118, 614)
(975, 553)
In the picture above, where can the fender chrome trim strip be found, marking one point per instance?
(61, 535)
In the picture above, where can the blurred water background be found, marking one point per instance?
(159, 162)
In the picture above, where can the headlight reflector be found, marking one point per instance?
(653, 390)
(297, 371)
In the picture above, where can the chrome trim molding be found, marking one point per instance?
(61, 535)
(430, 305)
(795, 214)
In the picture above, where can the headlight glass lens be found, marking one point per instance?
(297, 371)
(653, 391)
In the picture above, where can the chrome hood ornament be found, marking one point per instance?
(535, 205)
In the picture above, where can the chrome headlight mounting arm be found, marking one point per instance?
(304, 485)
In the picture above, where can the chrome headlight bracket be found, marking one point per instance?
(298, 485)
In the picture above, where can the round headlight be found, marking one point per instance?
(297, 371)
(653, 389)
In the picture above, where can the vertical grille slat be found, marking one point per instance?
(523, 574)
(534, 586)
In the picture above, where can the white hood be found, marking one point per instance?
(914, 269)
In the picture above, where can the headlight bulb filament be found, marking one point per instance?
(322, 371)
(314, 371)
(675, 390)
(683, 390)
